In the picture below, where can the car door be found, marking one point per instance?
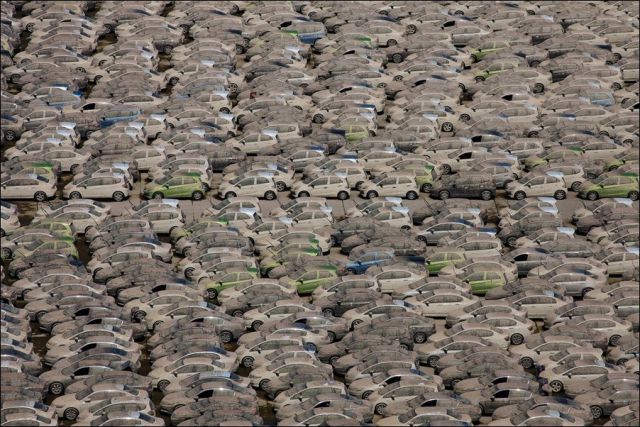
(320, 187)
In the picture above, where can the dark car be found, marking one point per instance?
(465, 185)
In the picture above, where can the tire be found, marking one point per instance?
(157, 195)
(419, 337)
(233, 88)
(596, 412)
(633, 195)
(281, 186)
(517, 339)
(538, 88)
(118, 196)
(405, 227)
(156, 324)
(371, 194)
(343, 195)
(556, 386)
(382, 85)
(366, 394)
(230, 195)
(256, 325)
(318, 118)
(532, 134)
(511, 241)
(30, 27)
(40, 196)
(71, 414)
(397, 58)
(247, 362)
(486, 195)
(263, 383)
(391, 42)
(614, 340)
(355, 323)
(604, 133)
(560, 195)
(447, 127)
(163, 384)
(411, 29)
(398, 78)
(426, 188)
(174, 81)
(479, 79)
(139, 315)
(311, 347)
(411, 195)
(432, 361)
(167, 50)
(446, 169)
(9, 136)
(474, 58)
(270, 195)
(225, 110)
(303, 194)
(6, 253)
(520, 195)
(226, 337)
(616, 86)
(534, 64)
(380, 407)
(332, 336)
(197, 195)
(212, 293)
(56, 388)
(575, 186)
(592, 195)
(465, 117)
(237, 313)
(333, 360)
(327, 312)
(443, 194)
(526, 362)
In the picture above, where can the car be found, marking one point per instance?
(610, 186)
(34, 187)
(176, 187)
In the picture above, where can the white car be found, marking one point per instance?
(113, 187)
(262, 186)
(32, 187)
(392, 184)
(440, 302)
(550, 184)
(323, 186)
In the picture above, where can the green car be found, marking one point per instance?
(483, 281)
(621, 159)
(439, 260)
(426, 178)
(183, 187)
(62, 245)
(306, 280)
(611, 186)
(55, 226)
(227, 280)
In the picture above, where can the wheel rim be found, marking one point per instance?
(592, 195)
(6, 253)
(327, 312)
(526, 363)
(56, 388)
(256, 325)
(342, 195)
(188, 273)
(633, 195)
(614, 340)
(560, 195)
(366, 394)
(520, 195)
(71, 414)
(420, 338)
(447, 127)
(433, 361)
(556, 386)
(446, 169)
(226, 336)
(163, 384)
(197, 195)
(426, 188)
(575, 186)
(372, 194)
(247, 362)
(411, 195)
(280, 186)
(41, 197)
(229, 195)
(516, 339)
(397, 58)
(212, 293)
(486, 195)
(596, 412)
(158, 196)
(511, 241)
(380, 408)
(444, 195)
(269, 195)
(118, 196)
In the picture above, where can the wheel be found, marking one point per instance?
(560, 195)
(411, 195)
(419, 337)
(9, 135)
(616, 86)
(575, 186)
(585, 291)
(446, 169)
(474, 58)
(256, 325)
(30, 27)
(343, 195)
(604, 133)
(382, 85)
(534, 64)
(263, 383)
(366, 394)
(517, 339)
(633, 195)
(270, 195)
(596, 412)
(118, 196)
(226, 336)
(391, 42)
(157, 324)
(447, 127)
(486, 195)
(479, 79)
(380, 407)
(592, 195)
(532, 134)
(39, 315)
(443, 195)
(511, 241)
(174, 81)
(157, 195)
(426, 187)
(281, 186)
(465, 117)
(247, 362)
(538, 88)
(371, 194)
(303, 194)
(167, 50)
(311, 347)
(526, 362)
(328, 312)
(56, 388)
(355, 323)
(197, 195)
(139, 315)
(71, 414)
(397, 58)
(40, 196)
(212, 293)
(74, 169)
(411, 29)
(614, 340)
(163, 384)
(332, 336)
(233, 88)
(398, 78)
(432, 361)
(405, 227)
(318, 118)
(230, 195)
(520, 195)
(556, 386)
